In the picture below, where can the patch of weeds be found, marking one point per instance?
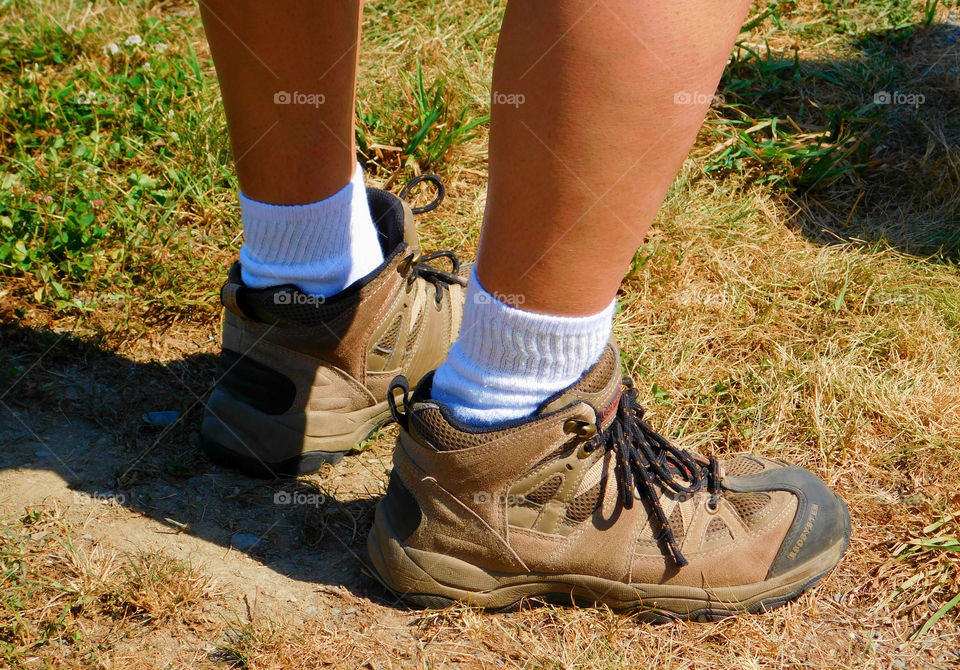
(934, 556)
(96, 149)
(430, 129)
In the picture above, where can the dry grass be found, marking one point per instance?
(68, 601)
(815, 321)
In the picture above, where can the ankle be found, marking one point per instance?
(507, 361)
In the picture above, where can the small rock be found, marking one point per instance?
(164, 418)
(244, 541)
(311, 609)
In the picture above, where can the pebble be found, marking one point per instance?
(243, 541)
(164, 418)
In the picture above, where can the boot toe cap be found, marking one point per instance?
(821, 521)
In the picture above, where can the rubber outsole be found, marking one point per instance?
(566, 593)
(704, 615)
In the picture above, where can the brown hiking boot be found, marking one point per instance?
(584, 503)
(304, 380)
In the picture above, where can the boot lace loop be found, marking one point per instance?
(416, 265)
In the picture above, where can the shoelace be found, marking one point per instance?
(433, 204)
(415, 263)
(645, 460)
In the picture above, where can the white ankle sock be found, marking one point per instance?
(507, 361)
(321, 247)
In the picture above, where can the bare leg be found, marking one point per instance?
(586, 137)
(588, 131)
(302, 151)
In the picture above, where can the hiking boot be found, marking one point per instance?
(584, 503)
(303, 380)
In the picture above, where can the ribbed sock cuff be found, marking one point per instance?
(507, 360)
(321, 247)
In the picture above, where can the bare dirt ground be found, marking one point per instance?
(288, 552)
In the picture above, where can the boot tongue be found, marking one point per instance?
(410, 236)
(393, 219)
(599, 387)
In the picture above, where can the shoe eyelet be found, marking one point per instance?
(712, 508)
(409, 261)
(583, 429)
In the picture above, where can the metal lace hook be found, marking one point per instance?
(399, 382)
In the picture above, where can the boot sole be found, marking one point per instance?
(415, 577)
(235, 435)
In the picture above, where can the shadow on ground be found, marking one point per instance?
(871, 143)
(73, 409)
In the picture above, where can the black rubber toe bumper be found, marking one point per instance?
(821, 519)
